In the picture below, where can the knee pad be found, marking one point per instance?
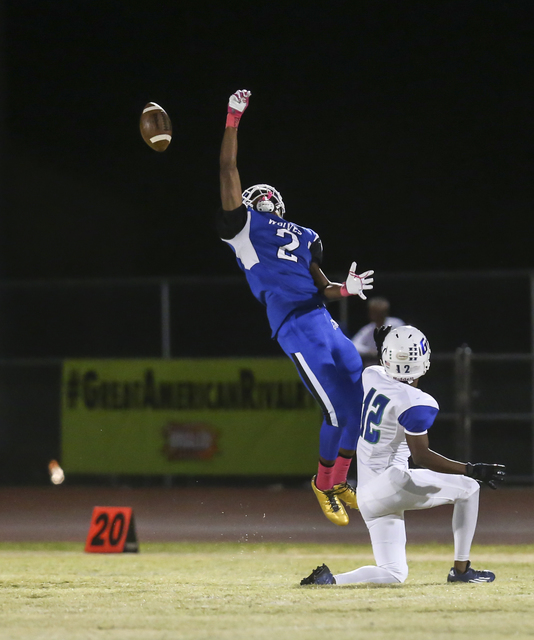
(398, 570)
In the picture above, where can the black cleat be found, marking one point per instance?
(321, 575)
(470, 575)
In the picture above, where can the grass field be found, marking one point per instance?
(242, 591)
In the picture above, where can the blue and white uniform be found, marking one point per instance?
(275, 256)
(391, 409)
(387, 487)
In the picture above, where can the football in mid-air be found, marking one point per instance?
(156, 127)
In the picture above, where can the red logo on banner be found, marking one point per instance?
(190, 441)
(112, 530)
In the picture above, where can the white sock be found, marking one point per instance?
(464, 522)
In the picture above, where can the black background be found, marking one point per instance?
(400, 131)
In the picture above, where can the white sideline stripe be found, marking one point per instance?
(317, 386)
(163, 136)
(154, 107)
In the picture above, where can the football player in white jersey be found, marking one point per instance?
(396, 417)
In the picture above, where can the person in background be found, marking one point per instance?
(378, 311)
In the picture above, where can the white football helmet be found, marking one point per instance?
(405, 354)
(269, 201)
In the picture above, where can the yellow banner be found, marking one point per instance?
(205, 417)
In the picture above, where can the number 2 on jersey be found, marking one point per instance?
(369, 418)
(284, 252)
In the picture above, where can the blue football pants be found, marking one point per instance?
(331, 368)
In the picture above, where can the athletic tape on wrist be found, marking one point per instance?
(344, 291)
(232, 119)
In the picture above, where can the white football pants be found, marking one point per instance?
(383, 501)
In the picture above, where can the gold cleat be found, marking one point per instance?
(331, 505)
(345, 492)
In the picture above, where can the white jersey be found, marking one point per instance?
(390, 409)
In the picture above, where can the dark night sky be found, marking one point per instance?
(400, 131)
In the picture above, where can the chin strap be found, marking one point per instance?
(265, 204)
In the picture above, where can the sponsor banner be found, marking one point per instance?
(206, 417)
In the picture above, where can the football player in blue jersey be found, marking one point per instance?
(281, 261)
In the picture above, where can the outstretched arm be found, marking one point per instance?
(354, 285)
(422, 456)
(229, 175)
(425, 457)
(330, 290)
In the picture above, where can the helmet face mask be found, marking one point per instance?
(264, 198)
(405, 354)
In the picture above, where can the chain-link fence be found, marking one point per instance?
(479, 326)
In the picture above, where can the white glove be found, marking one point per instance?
(237, 104)
(239, 100)
(355, 284)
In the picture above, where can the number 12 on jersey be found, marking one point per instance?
(370, 418)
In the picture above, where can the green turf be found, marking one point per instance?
(250, 591)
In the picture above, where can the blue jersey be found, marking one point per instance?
(275, 256)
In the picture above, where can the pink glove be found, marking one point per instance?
(355, 284)
(237, 104)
